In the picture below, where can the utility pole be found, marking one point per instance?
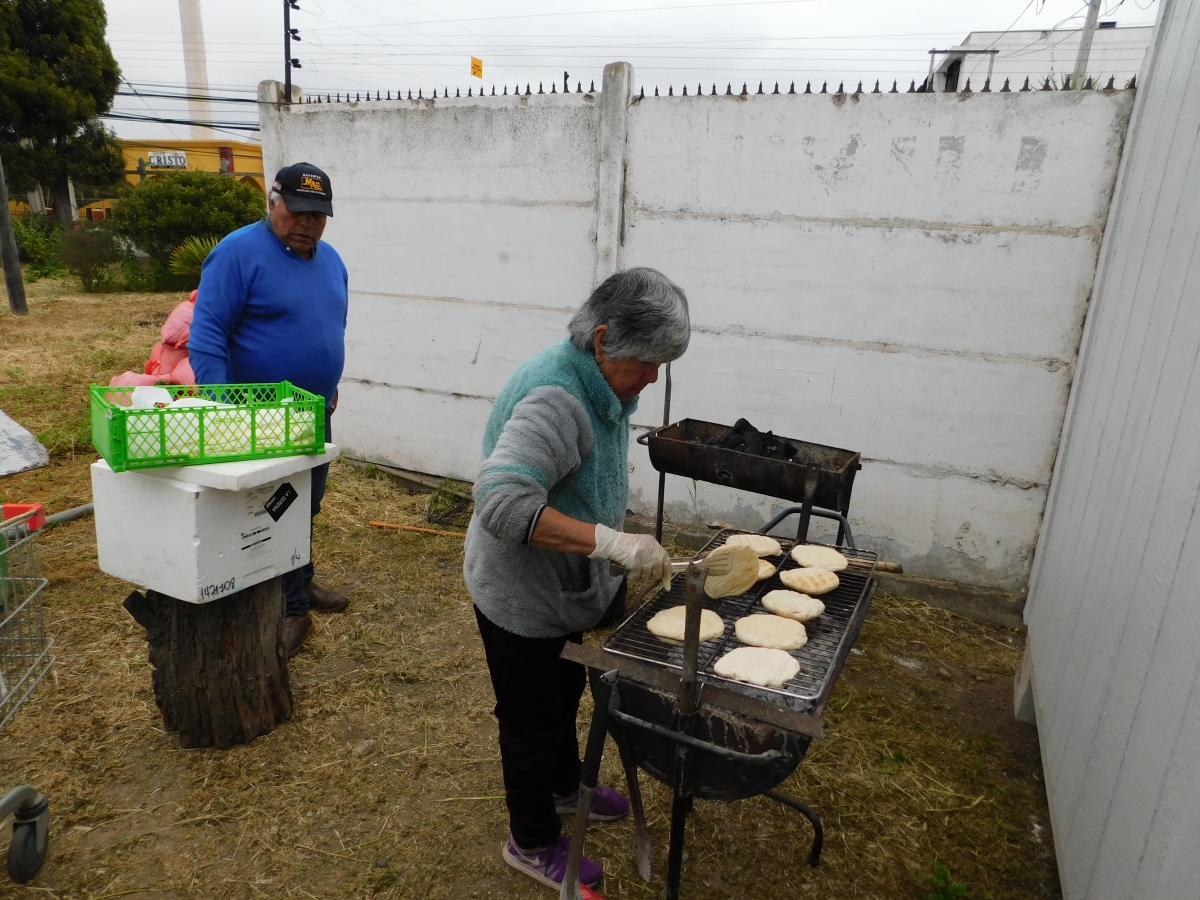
(289, 33)
(8, 254)
(1085, 45)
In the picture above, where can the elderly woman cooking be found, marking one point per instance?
(550, 501)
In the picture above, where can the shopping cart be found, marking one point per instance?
(25, 658)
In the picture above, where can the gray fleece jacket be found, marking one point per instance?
(558, 436)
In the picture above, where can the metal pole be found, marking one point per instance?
(662, 476)
(287, 51)
(1085, 45)
(8, 254)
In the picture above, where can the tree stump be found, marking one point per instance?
(220, 668)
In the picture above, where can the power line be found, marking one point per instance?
(186, 97)
(217, 126)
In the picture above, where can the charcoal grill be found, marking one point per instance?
(710, 737)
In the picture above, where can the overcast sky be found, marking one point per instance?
(359, 45)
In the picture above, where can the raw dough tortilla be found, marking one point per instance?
(743, 572)
(774, 632)
(757, 665)
(668, 625)
(759, 543)
(792, 605)
(816, 557)
(813, 582)
(765, 569)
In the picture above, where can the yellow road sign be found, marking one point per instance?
(476, 67)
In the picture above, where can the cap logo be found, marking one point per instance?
(311, 183)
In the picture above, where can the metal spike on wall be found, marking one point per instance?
(1046, 86)
(494, 90)
(1026, 86)
(685, 90)
(457, 92)
(1109, 86)
(670, 91)
(987, 86)
(877, 90)
(579, 87)
(1089, 84)
(1132, 85)
(419, 95)
(1006, 89)
(841, 87)
(729, 90)
(642, 95)
(808, 87)
(592, 89)
(792, 89)
(894, 89)
(967, 89)
(859, 91)
(776, 91)
(699, 89)
(912, 86)
(377, 95)
(744, 92)
(528, 91)
(824, 87)
(540, 91)
(760, 90)
(1066, 83)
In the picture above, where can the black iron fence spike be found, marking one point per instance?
(540, 91)
(824, 86)
(987, 86)
(579, 87)
(1006, 89)
(357, 97)
(656, 90)
(895, 89)
(592, 89)
(528, 90)
(744, 92)
(1132, 83)
(760, 90)
(1066, 83)
(1046, 86)
(670, 91)
(642, 95)
(1026, 87)
(776, 91)
(457, 92)
(792, 90)
(841, 87)
(967, 89)
(554, 87)
(1089, 84)
(912, 86)
(377, 95)
(859, 90)
(419, 95)
(685, 90)
(493, 90)
(729, 89)
(699, 89)
(1111, 79)
(808, 87)
(877, 90)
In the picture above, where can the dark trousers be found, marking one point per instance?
(295, 599)
(537, 703)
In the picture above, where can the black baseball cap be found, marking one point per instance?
(305, 188)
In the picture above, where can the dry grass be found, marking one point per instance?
(392, 753)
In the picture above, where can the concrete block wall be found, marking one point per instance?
(903, 275)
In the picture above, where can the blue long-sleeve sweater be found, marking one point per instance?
(266, 314)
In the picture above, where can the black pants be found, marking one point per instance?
(295, 599)
(537, 703)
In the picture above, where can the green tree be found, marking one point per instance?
(57, 75)
(159, 214)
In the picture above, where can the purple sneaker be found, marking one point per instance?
(607, 805)
(549, 864)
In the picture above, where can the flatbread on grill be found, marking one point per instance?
(813, 582)
(759, 543)
(774, 632)
(743, 572)
(668, 625)
(766, 569)
(757, 665)
(792, 605)
(816, 557)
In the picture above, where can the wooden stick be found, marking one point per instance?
(418, 529)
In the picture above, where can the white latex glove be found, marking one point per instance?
(639, 554)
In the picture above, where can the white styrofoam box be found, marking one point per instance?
(199, 543)
(237, 476)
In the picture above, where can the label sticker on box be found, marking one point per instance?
(280, 501)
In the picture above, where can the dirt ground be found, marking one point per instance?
(386, 783)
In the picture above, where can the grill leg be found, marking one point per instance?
(814, 857)
(680, 807)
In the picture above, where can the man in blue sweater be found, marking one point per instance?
(272, 307)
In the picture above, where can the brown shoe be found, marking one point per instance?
(325, 601)
(295, 630)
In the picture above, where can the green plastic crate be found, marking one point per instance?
(260, 421)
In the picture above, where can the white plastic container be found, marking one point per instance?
(199, 533)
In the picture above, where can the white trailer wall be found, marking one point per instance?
(1113, 615)
(904, 275)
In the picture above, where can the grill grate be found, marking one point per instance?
(817, 658)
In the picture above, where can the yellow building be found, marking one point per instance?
(149, 159)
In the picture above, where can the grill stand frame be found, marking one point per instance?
(688, 721)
